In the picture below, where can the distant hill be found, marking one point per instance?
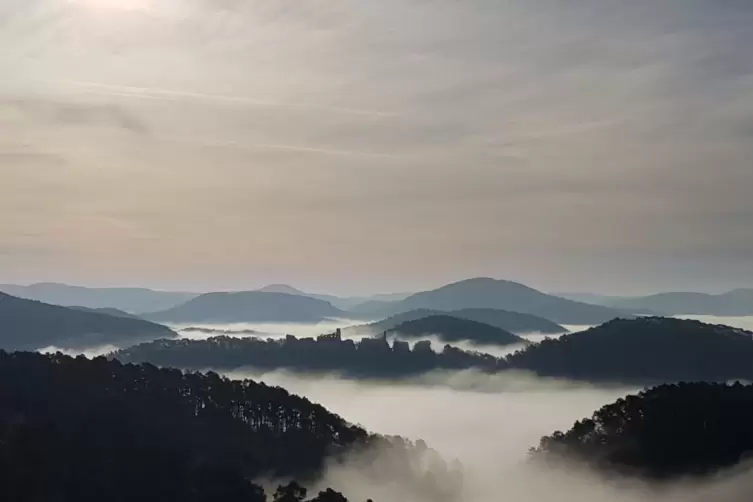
(29, 325)
(497, 294)
(733, 303)
(514, 322)
(453, 329)
(249, 306)
(131, 300)
(645, 350)
(106, 311)
(670, 431)
(342, 302)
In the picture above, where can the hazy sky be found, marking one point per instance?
(366, 145)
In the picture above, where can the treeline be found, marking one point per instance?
(648, 350)
(369, 358)
(92, 430)
(454, 329)
(665, 432)
(644, 351)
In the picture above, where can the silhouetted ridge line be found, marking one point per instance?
(130, 300)
(249, 306)
(29, 324)
(93, 430)
(665, 432)
(489, 293)
(625, 351)
(645, 350)
(452, 329)
(369, 358)
(514, 322)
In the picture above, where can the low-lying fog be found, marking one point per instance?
(487, 422)
(488, 431)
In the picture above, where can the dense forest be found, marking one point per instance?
(93, 430)
(452, 329)
(646, 350)
(514, 322)
(29, 325)
(664, 432)
(369, 358)
(636, 352)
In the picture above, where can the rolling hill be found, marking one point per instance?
(75, 429)
(645, 350)
(249, 306)
(496, 294)
(107, 311)
(453, 329)
(733, 303)
(29, 325)
(670, 431)
(514, 322)
(131, 300)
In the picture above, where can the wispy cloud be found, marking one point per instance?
(545, 142)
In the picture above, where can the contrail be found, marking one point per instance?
(169, 94)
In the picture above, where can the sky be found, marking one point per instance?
(360, 146)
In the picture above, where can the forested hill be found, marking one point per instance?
(29, 325)
(93, 430)
(514, 322)
(369, 358)
(644, 350)
(665, 432)
(452, 329)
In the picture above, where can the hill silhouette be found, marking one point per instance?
(93, 430)
(514, 322)
(665, 432)
(131, 300)
(342, 302)
(107, 311)
(496, 294)
(624, 351)
(29, 324)
(643, 350)
(733, 303)
(369, 358)
(452, 329)
(249, 306)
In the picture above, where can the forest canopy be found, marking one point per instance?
(664, 432)
(86, 430)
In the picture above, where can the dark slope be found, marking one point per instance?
(734, 303)
(452, 329)
(513, 322)
(94, 430)
(249, 306)
(644, 350)
(665, 432)
(107, 311)
(504, 295)
(132, 300)
(369, 358)
(28, 324)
